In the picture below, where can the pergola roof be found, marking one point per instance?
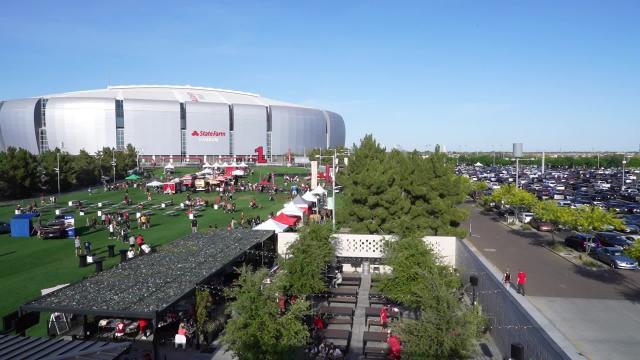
(146, 285)
(19, 347)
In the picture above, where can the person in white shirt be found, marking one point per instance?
(131, 253)
(337, 281)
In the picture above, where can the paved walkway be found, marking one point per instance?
(359, 325)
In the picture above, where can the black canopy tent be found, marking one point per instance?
(29, 348)
(144, 287)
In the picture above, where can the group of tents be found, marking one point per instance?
(293, 212)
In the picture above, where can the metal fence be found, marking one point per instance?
(509, 321)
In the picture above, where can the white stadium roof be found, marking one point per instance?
(184, 93)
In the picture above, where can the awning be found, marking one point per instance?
(286, 219)
(271, 225)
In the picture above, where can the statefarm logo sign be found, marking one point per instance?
(208, 136)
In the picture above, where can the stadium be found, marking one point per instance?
(167, 121)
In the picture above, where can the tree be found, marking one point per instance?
(256, 329)
(417, 269)
(309, 257)
(203, 300)
(19, 176)
(401, 193)
(445, 327)
(365, 183)
(634, 250)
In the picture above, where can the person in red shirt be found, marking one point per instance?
(522, 279)
(317, 322)
(282, 304)
(395, 347)
(384, 316)
(182, 330)
(143, 324)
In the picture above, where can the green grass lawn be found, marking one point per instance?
(28, 265)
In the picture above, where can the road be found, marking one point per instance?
(597, 310)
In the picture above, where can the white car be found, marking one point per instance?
(525, 217)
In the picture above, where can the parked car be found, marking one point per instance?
(612, 239)
(615, 258)
(541, 225)
(4, 228)
(525, 217)
(581, 242)
(53, 230)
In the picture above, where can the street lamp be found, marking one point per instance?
(113, 163)
(58, 169)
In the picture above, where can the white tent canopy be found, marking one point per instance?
(478, 164)
(216, 165)
(309, 197)
(243, 164)
(319, 191)
(237, 172)
(292, 210)
(206, 171)
(207, 166)
(299, 201)
(169, 166)
(271, 225)
(154, 183)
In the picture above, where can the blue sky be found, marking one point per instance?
(473, 75)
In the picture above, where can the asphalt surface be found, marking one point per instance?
(596, 310)
(548, 274)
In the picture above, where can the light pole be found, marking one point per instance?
(624, 162)
(58, 170)
(334, 158)
(113, 163)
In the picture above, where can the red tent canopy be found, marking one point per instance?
(228, 171)
(286, 219)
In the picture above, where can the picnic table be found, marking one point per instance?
(342, 299)
(373, 336)
(337, 310)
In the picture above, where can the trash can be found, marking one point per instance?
(123, 255)
(98, 263)
(111, 250)
(83, 260)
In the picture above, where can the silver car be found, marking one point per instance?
(615, 258)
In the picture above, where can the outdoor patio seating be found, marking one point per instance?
(373, 336)
(343, 300)
(336, 310)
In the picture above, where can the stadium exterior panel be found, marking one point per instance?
(180, 121)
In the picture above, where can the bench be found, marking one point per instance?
(373, 322)
(373, 336)
(343, 300)
(377, 301)
(344, 292)
(340, 321)
(335, 334)
(375, 352)
(350, 283)
(337, 310)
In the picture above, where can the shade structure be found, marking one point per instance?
(319, 190)
(132, 177)
(300, 201)
(216, 165)
(206, 171)
(292, 210)
(169, 166)
(243, 164)
(285, 219)
(237, 172)
(271, 225)
(154, 183)
(207, 166)
(308, 196)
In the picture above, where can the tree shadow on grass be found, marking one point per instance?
(7, 253)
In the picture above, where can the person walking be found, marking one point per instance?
(194, 225)
(522, 279)
(506, 278)
(76, 242)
